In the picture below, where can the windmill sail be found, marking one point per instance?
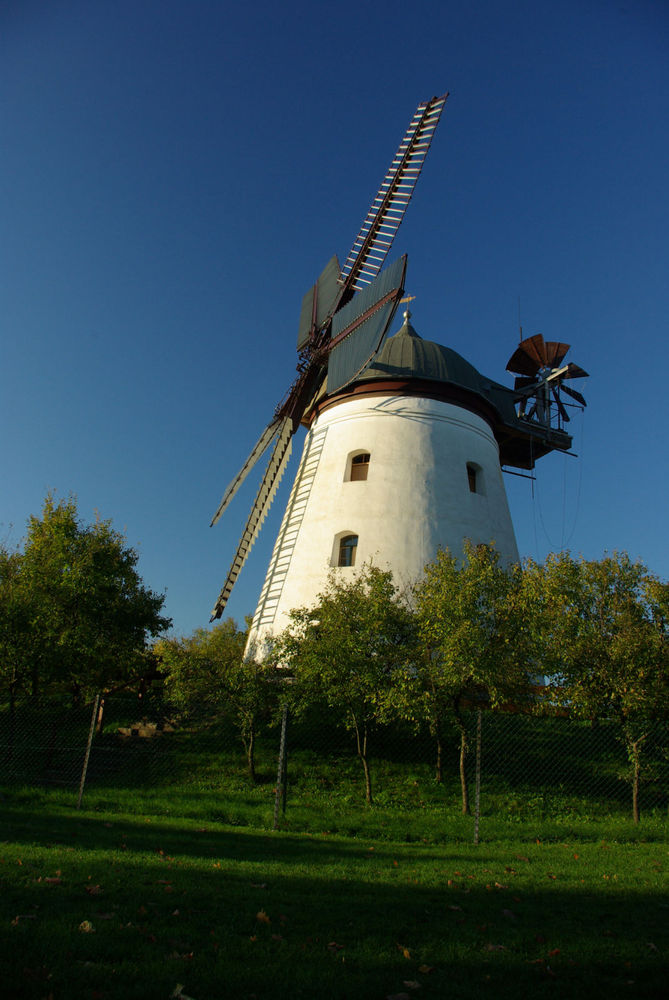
(371, 245)
(263, 501)
(261, 446)
(358, 330)
(319, 302)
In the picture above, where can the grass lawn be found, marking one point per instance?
(145, 899)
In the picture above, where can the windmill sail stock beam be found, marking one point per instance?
(373, 242)
(263, 501)
(261, 447)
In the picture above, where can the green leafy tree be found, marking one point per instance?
(14, 633)
(206, 676)
(353, 652)
(470, 627)
(602, 640)
(90, 616)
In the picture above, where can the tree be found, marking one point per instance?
(471, 636)
(90, 616)
(352, 651)
(206, 674)
(603, 643)
(14, 618)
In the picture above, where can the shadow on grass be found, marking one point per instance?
(250, 914)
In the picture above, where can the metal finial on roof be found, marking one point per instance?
(407, 312)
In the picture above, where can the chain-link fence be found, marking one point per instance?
(137, 755)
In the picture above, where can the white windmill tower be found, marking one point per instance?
(405, 438)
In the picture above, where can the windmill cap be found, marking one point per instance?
(407, 356)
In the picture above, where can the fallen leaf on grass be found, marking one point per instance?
(94, 890)
(23, 916)
(405, 951)
(425, 970)
(262, 917)
(454, 907)
(86, 927)
(553, 952)
(333, 946)
(653, 947)
(411, 984)
(521, 857)
(56, 880)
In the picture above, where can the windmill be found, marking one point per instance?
(539, 364)
(343, 322)
(406, 440)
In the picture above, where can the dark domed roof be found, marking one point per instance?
(423, 368)
(407, 356)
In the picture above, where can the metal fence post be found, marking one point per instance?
(91, 730)
(477, 796)
(280, 790)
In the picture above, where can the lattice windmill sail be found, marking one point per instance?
(538, 362)
(343, 322)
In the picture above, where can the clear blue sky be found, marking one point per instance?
(174, 175)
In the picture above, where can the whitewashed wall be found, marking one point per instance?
(415, 499)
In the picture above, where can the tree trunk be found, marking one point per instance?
(634, 743)
(12, 717)
(636, 779)
(34, 681)
(361, 741)
(100, 717)
(250, 747)
(439, 768)
(464, 787)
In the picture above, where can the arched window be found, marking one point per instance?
(357, 466)
(360, 466)
(347, 548)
